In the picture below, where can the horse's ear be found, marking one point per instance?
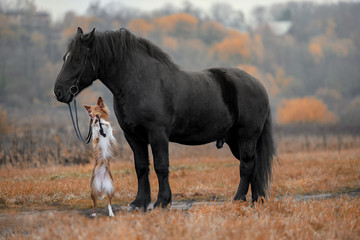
(88, 108)
(100, 102)
(88, 38)
(80, 31)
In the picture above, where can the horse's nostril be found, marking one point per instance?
(58, 94)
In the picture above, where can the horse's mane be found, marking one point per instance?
(118, 46)
(157, 53)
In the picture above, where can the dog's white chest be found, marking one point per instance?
(104, 143)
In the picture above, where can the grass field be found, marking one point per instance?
(54, 202)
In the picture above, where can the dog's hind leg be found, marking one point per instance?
(94, 197)
(111, 214)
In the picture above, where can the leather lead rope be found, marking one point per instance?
(76, 126)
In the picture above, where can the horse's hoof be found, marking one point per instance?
(239, 199)
(93, 215)
(162, 204)
(138, 205)
(132, 208)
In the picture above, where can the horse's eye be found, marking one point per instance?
(77, 59)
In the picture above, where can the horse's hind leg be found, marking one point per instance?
(246, 173)
(256, 190)
(249, 173)
(111, 214)
(93, 197)
(245, 152)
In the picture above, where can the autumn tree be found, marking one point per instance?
(274, 82)
(170, 42)
(4, 127)
(330, 43)
(225, 14)
(211, 31)
(304, 110)
(233, 48)
(86, 23)
(5, 30)
(182, 25)
(140, 26)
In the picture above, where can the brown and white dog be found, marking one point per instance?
(101, 182)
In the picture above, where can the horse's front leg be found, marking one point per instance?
(141, 157)
(159, 142)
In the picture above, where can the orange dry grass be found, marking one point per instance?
(200, 178)
(289, 219)
(317, 172)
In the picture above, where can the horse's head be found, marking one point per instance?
(78, 70)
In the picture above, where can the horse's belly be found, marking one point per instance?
(201, 130)
(191, 140)
(197, 138)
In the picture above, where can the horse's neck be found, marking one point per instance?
(139, 72)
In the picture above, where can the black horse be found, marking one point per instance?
(156, 102)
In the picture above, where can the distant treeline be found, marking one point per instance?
(307, 55)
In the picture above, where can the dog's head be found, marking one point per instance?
(99, 109)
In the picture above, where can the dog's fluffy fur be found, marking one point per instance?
(101, 182)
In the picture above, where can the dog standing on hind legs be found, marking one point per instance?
(101, 182)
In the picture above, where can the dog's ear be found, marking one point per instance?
(100, 102)
(88, 108)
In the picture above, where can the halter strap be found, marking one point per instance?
(101, 128)
(73, 90)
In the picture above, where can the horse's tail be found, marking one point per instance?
(265, 153)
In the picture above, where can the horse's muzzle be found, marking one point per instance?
(59, 96)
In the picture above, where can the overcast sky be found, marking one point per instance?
(58, 7)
